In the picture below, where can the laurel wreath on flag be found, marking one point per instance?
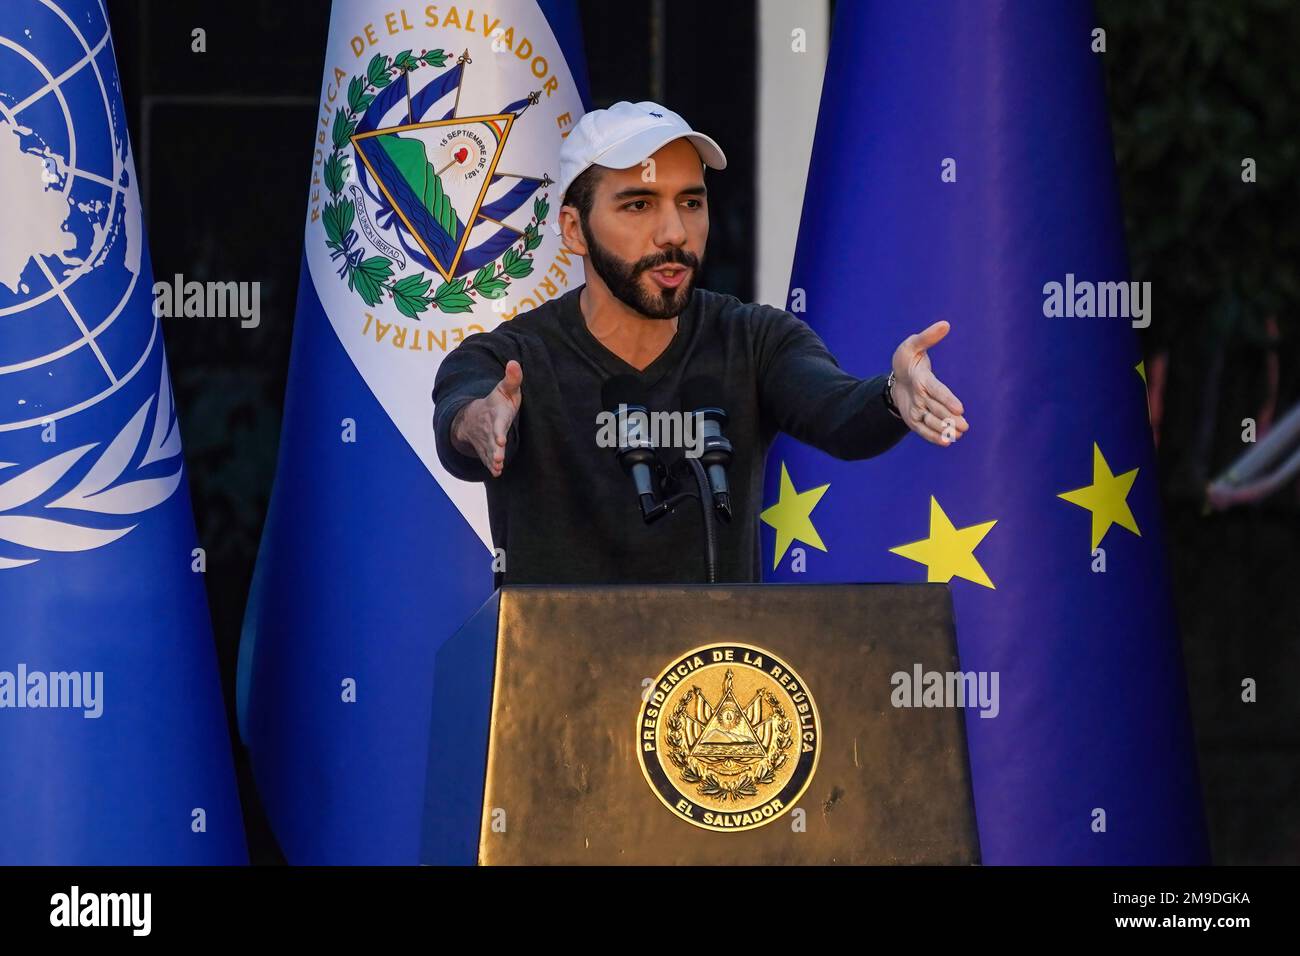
(764, 772)
(371, 277)
(29, 520)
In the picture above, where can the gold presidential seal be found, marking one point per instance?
(728, 737)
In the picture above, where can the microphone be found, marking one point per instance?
(702, 398)
(635, 453)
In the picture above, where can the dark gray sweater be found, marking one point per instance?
(564, 510)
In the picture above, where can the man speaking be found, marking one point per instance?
(519, 407)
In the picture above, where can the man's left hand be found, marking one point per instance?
(926, 404)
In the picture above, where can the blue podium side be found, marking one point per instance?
(458, 740)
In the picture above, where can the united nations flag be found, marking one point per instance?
(113, 741)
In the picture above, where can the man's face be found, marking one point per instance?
(647, 229)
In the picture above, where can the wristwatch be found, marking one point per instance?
(889, 396)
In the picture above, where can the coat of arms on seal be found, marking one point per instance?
(418, 189)
(728, 737)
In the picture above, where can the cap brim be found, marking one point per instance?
(635, 149)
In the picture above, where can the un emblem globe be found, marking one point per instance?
(76, 322)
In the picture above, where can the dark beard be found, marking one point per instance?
(622, 278)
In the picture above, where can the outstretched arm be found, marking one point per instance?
(477, 396)
(806, 394)
(804, 390)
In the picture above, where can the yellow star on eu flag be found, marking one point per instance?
(949, 552)
(1106, 498)
(791, 516)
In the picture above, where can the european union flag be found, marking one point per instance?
(113, 740)
(962, 170)
(432, 187)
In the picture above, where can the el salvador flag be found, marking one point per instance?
(113, 740)
(962, 164)
(433, 164)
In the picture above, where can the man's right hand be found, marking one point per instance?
(480, 428)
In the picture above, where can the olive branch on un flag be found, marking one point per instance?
(29, 520)
(371, 277)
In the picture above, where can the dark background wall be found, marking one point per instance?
(223, 146)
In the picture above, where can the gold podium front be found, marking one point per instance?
(699, 724)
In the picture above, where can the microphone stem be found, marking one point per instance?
(706, 508)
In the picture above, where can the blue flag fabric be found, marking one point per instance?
(962, 164)
(429, 219)
(113, 739)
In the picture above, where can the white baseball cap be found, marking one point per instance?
(624, 135)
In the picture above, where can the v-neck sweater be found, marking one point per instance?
(563, 510)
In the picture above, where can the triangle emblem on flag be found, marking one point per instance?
(435, 175)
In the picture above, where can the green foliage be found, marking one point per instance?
(358, 98)
(336, 171)
(515, 265)
(532, 237)
(1195, 87)
(451, 297)
(410, 295)
(377, 71)
(337, 218)
(343, 129)
(488, 284)
(369, 276)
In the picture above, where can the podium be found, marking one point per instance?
(698, 724)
